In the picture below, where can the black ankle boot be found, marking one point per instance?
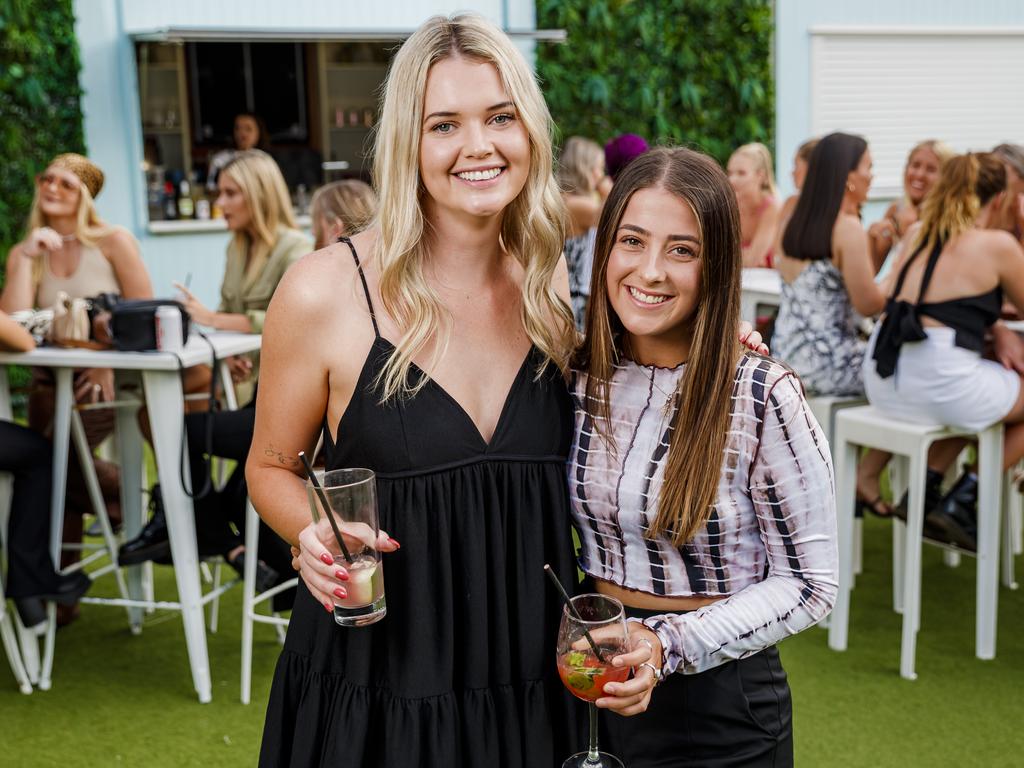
(932, 495)
(153, 542)
(957, 513)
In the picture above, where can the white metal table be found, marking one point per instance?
(161, 382)
(760, 287)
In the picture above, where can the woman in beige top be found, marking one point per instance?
(70, 248)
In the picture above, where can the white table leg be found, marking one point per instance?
(129, 448)
(912, 566)
(166, 414)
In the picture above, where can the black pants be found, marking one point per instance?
(220, 515)
(29, 457)
(736, 714)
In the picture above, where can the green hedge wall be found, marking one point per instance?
(693, 72)
(40, 115)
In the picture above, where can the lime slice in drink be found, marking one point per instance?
(360, 583)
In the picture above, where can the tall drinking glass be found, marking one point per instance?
(587, 643)
(352, 496)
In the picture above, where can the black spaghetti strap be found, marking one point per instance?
(926, 279)
(366, 288)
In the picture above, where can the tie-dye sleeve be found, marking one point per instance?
(793, 497)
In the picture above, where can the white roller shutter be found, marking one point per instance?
(897, 87)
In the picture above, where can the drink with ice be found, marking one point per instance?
(352, 502)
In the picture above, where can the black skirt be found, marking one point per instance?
(736, 714)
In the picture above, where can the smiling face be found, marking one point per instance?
(59, 192)
(920, 175)
(653, 275)
(232, 203)
(474, 150)
(744, 177)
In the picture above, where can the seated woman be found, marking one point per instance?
(69, 248)
(925, 356)
(31, 575)
(827, 282)
(752, 179)
(584, 185)
(800, 162)
(264, 245)
(924, 163)
(341, 208)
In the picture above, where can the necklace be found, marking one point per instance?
(69, 238)
(670, 396)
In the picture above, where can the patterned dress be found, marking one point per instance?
(579, 257)
(816, 332)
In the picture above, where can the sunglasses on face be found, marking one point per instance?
(63, 183)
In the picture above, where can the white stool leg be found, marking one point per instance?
(252, 538)
(215, 603)
(846, 488)
(858, 546)
(990, 475)
(898, 483)
(912, 565)
(1010, 507)
(12, 651)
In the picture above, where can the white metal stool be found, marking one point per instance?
(250, 599)
(867, 427)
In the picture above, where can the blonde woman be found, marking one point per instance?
(341, 208)
(264, 244)
(431, 348)
(752, 179)
(584, 185)
(69, 248)
(265, 241)
(924, 164)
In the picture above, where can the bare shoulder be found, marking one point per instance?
(847, 226)
(118, 242)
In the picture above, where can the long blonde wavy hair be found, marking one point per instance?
(533, 224)
(270, 206)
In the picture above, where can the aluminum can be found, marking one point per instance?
(168, 329)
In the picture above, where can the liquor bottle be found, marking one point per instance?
(186, 206)
(170, 205)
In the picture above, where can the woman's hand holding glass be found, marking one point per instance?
(633, 696)
(317, 552)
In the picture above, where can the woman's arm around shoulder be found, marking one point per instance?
(123, 252)
(850, 246)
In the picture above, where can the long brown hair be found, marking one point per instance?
(701, 418)
(967, 183)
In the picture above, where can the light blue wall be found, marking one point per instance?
(113, 129)
(793, 22)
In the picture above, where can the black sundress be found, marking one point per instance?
(461, 671)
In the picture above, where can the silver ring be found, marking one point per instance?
(649, 644)
(654, 670)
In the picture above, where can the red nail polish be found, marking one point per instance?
(327, 606)
(395, 543)
(342, 575)
(340, 593)
(328, 560)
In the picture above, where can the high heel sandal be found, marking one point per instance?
(875, 507)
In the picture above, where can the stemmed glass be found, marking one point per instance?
(591, 634)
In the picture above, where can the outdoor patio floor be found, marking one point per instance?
(119, 700)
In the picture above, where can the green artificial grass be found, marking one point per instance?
(121, 700)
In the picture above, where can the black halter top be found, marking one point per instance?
(969, 316)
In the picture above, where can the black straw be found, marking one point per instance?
(573, 611)
(326, 504)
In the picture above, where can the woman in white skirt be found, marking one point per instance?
(925, 362)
